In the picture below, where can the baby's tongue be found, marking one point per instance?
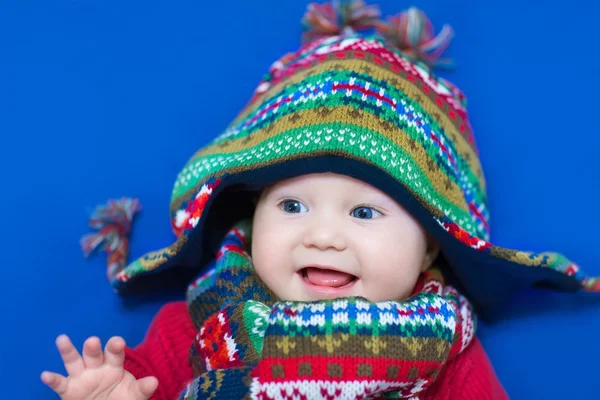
(327, 277)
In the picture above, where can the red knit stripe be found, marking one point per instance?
(352, 368)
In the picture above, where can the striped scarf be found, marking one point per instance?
(251, 346)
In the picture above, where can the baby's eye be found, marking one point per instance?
(292, 206)
(365, 212)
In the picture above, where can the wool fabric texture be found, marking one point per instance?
(255, 347)
(353, 104)
(164, 355)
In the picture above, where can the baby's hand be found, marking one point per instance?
(97, 376)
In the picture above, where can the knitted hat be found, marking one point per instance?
(368, 107)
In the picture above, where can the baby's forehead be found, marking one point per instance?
(323, 177)
(326, 183)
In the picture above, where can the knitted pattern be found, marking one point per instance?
(346, 348)
(357, 105)
(362, 107)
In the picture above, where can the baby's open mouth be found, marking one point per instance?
(327, 277)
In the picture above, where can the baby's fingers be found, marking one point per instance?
(92, 353)
(114, 352)
(144, 388)
(70, 356)
(57, 382)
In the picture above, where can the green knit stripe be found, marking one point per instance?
(255, 319)
(235, 260)
(442, 183)
(334, 138)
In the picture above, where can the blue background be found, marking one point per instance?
(109, 98)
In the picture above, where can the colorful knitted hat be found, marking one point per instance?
(366, 106)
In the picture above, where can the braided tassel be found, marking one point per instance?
(337, 17)
(591, 284)
(412, 32)
(113, 222)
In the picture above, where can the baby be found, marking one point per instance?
(314, 237)
(340, 229)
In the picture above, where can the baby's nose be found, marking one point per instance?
(325, 235)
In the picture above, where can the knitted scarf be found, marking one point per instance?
(251, 346)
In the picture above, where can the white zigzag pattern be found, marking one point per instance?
(386, 313)
(328, 390)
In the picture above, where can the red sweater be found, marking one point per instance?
(164, 354)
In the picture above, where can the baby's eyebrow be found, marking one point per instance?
(277, 193)
(378, 201)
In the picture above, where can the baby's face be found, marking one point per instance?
(322, 236)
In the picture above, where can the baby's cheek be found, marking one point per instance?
(393, 283)
(258, 259)
(266, 268)
(261, 267)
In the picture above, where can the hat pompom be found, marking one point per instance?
(113, 221)
(337, 17)
(412, 32)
